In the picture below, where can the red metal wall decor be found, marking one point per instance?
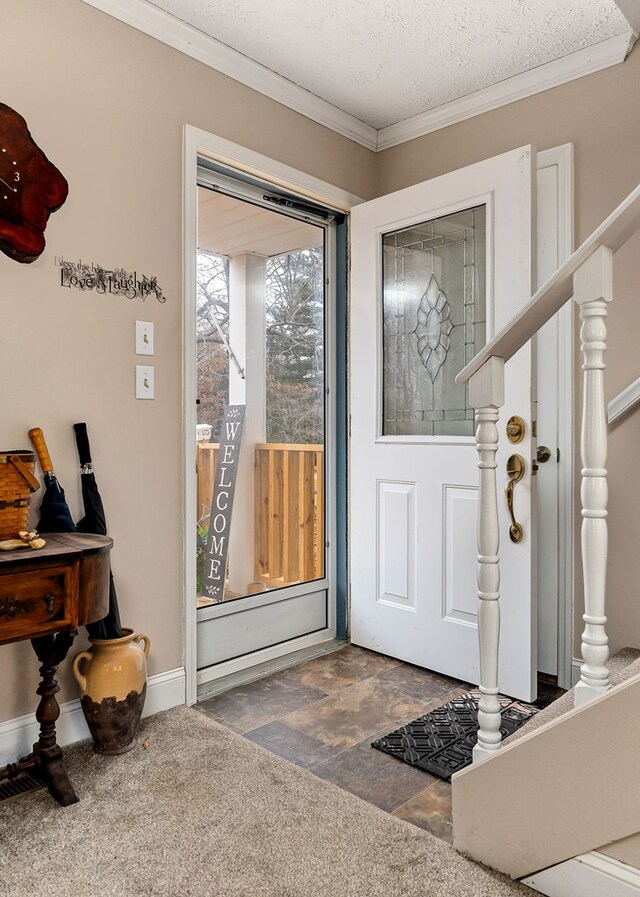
(31, 188)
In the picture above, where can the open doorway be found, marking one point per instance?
(264, 430)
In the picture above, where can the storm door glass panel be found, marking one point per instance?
(260, 337)
(434, 322)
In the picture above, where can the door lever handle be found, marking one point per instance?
(515, 472)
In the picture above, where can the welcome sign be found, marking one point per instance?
(222, 502)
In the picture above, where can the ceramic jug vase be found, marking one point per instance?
(113, 680)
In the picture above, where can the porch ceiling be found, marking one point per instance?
(227, 226)
(385, 62)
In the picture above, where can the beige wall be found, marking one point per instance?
(107, 104)
(627, 850)
(599, 115)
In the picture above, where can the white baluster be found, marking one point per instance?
(593, 289)
(486, 394)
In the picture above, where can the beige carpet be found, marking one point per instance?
(622, 666)
(204, 812)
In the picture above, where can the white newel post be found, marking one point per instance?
(592, 290)
(486, 395)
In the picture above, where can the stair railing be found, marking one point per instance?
(587, 276)
(624, 401)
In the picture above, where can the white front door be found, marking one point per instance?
(437, 269)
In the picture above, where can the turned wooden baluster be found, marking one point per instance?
(592, 290)
(486, 394)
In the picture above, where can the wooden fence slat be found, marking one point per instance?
(292, 568)
(261, 515)
(276, 535)
(319, 528)
(307, 514)
(206, 462)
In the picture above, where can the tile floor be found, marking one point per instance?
(323, 715)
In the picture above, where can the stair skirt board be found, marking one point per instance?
(589, 875)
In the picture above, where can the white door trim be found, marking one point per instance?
(199, 143)
(562, 157)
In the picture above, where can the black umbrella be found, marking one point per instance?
(94, 522)
(55, 516)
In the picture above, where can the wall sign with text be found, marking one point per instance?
(116, 281)
(222, 502)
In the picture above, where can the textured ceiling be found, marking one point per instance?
(385, 61)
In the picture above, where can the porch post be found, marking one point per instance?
(247, 337)
(486, 395)
(592, 290)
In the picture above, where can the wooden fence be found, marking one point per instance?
(288, 509)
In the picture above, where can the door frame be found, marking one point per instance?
(201, 144)
(562, 157)
(197, 142)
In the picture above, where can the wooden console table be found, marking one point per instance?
(44, 596)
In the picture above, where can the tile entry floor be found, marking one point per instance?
(323, 715)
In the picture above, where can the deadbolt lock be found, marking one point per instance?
(515, 429)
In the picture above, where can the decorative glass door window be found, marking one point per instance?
(434, 322)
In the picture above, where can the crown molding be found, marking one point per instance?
(188, 40)
(155, 22)
(543, 77)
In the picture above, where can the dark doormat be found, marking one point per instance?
(441, 742)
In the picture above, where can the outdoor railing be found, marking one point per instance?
(289, 513)
(288, 509)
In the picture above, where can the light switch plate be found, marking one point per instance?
(144, 338)
(144, 381)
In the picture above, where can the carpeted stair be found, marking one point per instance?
(622, 666)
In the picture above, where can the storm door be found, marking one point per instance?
(264, 424)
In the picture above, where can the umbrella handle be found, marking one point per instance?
(80, 678)
(37, 438)
(147, 643)
(82, 442)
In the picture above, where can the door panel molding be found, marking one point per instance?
(459, 568)
(397, 538)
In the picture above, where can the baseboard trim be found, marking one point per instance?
(576, 663)
(164, 690)
(590, 875)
